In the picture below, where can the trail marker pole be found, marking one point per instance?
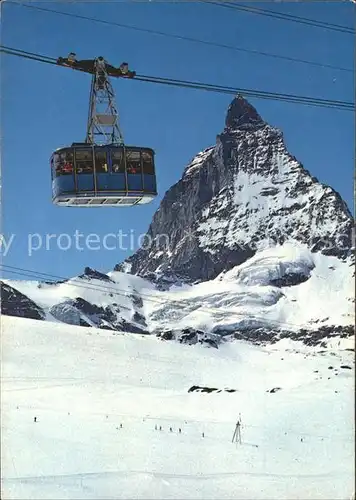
(237, 432)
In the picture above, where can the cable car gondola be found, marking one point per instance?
(86, 175)
(102, 172)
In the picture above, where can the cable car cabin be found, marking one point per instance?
(86, 175)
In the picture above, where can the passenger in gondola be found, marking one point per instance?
(101, 167)
(67, 168)
(87, 168)
(131, 169)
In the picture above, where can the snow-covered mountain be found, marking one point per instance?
(238, 197)
(246, 245)
(257, 277)
(110, 301)
(282, 291)
(119, 416)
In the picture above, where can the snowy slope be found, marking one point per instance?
(284, 290)
(92, 299)
(82, 383)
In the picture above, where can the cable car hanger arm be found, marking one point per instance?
(88, 66)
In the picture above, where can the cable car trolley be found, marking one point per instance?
(102, 171)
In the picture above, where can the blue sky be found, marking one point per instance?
(45, 107)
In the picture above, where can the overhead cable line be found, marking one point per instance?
(280, 15)
(116, 290)
(311, 101)
(78, 282)
(53, 279)
(187, 38)
(251, 93)
(28, 55)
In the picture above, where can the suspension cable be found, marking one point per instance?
(116, 290)
(184, 38)
(282, 16)
(311, 101)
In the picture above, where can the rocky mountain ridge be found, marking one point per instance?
(235, 198)
(247, 245)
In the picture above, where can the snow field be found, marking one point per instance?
(82, 383)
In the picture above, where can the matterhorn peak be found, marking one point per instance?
(237, 198)
(241, 114)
